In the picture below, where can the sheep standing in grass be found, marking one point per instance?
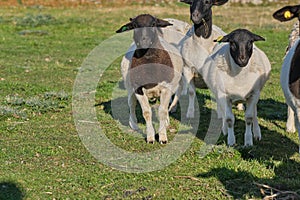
(290, 71)
(293, 37)
(154, 71)
(236, 71)
(198, 43)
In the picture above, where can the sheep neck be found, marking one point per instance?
(204, 29)
(233, 68)
(139, 53)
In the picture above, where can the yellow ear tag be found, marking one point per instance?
(219, 39)
(287, 14)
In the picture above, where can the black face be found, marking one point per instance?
(241, 45)
(200, 9)
(241, 48)
(145, 29)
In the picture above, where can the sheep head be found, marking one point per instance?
(241, 45)
(287, 13)
(145, 29)
(201, 15)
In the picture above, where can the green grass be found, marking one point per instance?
(42, 155)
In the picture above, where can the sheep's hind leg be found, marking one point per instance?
(147, 114)
(189, 75)
(164, 115)
(256, 128)
(173, 106)
(132, 114)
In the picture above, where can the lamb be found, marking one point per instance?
(236, 71)
(198, 43)
(290, 73)
(154, 71)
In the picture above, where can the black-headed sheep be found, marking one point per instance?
(154, 71)
(236, 72)
(198, 43)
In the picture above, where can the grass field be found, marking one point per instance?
(42, 155)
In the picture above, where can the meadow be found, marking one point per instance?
(42, 155)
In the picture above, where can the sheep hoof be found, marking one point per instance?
(257, 138)
(190, 115)
(290, 129)
(163, 142)
(150, 140)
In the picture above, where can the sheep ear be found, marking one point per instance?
(257, 38)
(219, 2)
(287, 13)
(221, 39)
(126, 27)
(162, 23)
(187, 1)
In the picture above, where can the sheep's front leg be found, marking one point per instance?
(189, 75)
(290, 124)
(147, 114)
(132, 115)
(250, 117)
(164, 120)
(225, 107)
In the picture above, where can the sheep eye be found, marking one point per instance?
(232, 45)
(249, 45)
(153, 24)
(207, 2)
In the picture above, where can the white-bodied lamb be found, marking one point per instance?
(152, 68)
(235, 72)
(290, 72)
(198, 43)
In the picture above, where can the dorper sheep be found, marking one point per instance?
(154, 70)
(236, 72)
(198, 43)
(290, 71)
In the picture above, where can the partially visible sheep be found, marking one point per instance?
(293, 37)
(152, 69)
(290, 71)
(236, 72)
(198, 43)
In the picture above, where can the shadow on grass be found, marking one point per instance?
(273, 149)
(10, 191)
(273, 152)
(118, 109)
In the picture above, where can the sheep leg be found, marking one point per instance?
(189, 75)
(132, 115)
(249, 116)
(173, 106)
(163, 113)
(147, 114)
(225, 107)
(297, 123)
(256, 128)
(290, 124)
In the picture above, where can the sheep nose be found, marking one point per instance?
(195, 16)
